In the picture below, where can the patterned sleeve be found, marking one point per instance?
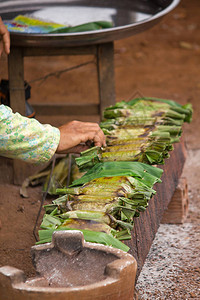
(25, 138)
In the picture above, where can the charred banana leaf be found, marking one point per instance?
(139, 130)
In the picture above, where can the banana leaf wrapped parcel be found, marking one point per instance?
(141, 130)
(106, 199)
(118, 180)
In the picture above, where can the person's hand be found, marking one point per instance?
(75, 135)
(4, 39)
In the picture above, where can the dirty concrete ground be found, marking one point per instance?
(161, 62)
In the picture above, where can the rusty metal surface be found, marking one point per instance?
(147, 224)
(128, 16)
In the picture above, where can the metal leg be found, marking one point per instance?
(106, 76)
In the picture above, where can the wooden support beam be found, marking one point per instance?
(51, 109)
(58, 51)
(106, 76)
(17, 99)
(16, 80)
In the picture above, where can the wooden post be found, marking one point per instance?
(16, 80)
(106, 76)
(17, 100)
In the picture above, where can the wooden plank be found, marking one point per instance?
(106, 76)
(147, 224)
(51, 109)
(58, 51)
(177, 210)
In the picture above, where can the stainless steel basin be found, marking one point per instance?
(129, 17)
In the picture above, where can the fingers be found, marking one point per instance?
(75, 133)
(6, 41)
(97, 137)
(93, 132)
(103, 138)
(5, 38)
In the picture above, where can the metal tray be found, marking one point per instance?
(128, 16)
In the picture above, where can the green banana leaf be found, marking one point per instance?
(85, 27)
(89, 236)
(105, 200)
(145, 173)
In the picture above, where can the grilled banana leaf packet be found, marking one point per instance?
(119, 178)
(105, 200)
(143, 129)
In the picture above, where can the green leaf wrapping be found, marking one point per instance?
(148, 174)
(119, 180)
(142, 129)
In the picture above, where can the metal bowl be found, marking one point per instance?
(128, 16)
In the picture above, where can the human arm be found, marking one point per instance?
(28, 140)
(4, 39)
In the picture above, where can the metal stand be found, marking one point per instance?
(104, 54)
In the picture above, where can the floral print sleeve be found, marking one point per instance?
(25, 138)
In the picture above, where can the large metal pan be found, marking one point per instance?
(128, 16)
